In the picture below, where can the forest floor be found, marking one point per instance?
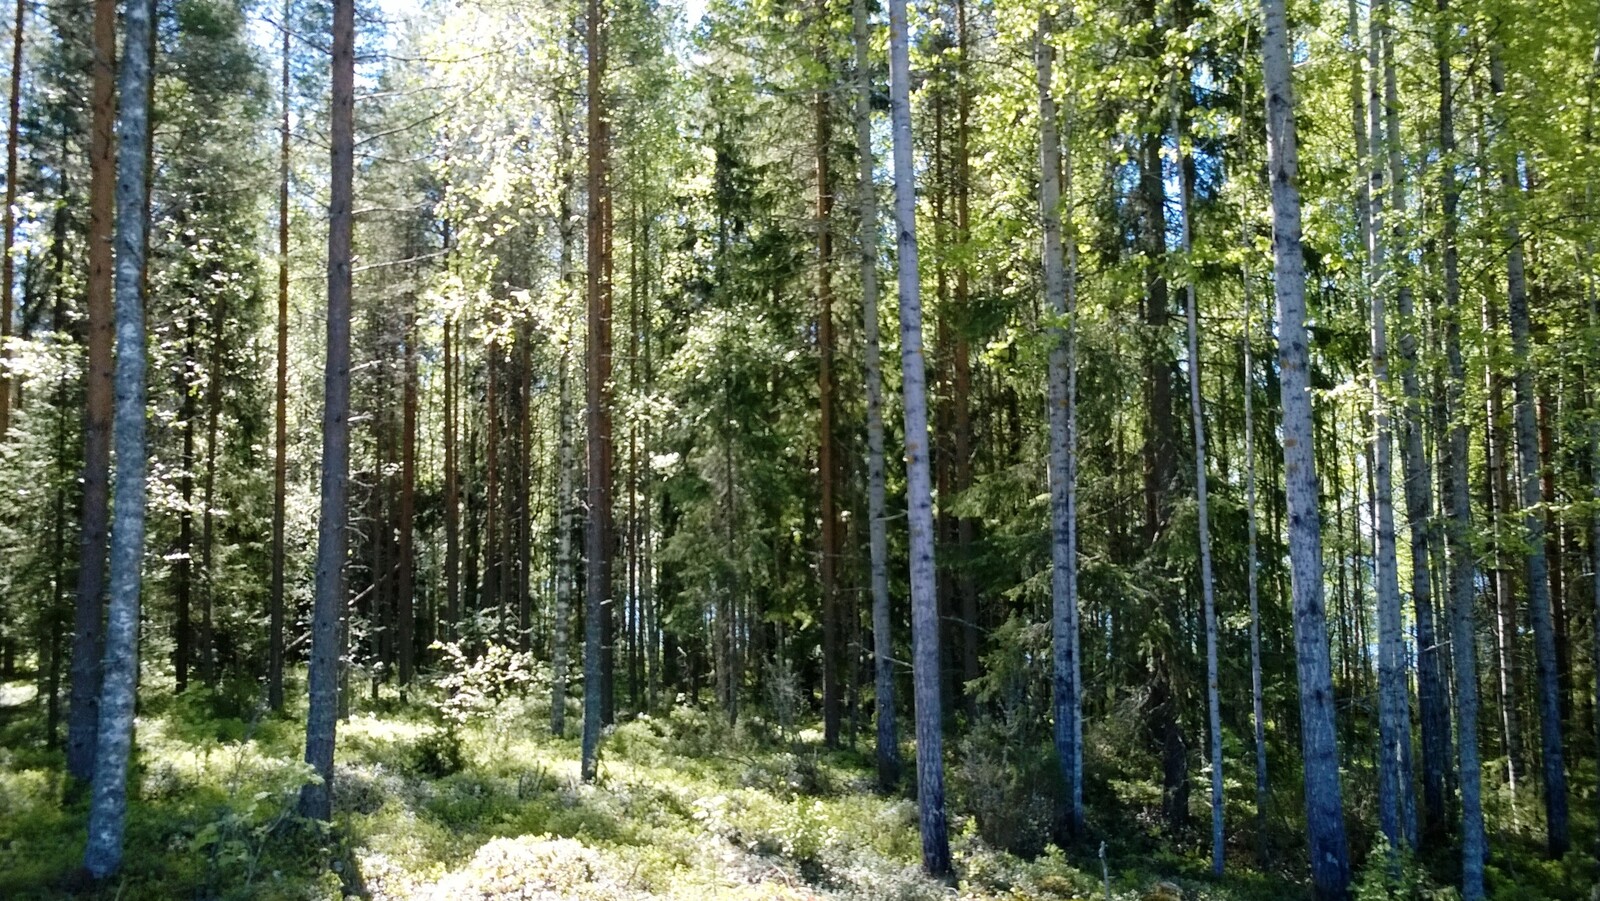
(685, 808)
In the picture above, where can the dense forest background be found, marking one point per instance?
(860, 439)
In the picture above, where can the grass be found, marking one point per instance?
(685, 808)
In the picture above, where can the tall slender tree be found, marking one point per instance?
(1059, 296)
(316, 797)
(919, 489)
(89, 611)
(108, 803)
(1529, 467)
(1456, 487)
(1208, 593)
(597, 528)
(8, 219)
(888, 733)
(1329, 849)
(280, 413)
(1395, 799)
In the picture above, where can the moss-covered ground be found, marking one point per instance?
(686, 807)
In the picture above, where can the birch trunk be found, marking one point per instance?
(919, 494)
(888, 734)
(1529, 468)
(1058, 292)
(1329, 851)
(108, 803)
(8, 236)
(1208, 592)
(1432, 696)
(1396, 804)
(1456, 488)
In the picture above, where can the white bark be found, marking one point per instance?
(888, 736)
(1059, 298)
(1329, 850)
(1208, 592)
(108, 803)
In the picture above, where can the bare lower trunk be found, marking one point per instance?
(108, 803)
(1059, 298)
(84, 713)
(888, 736)
(316, 798)
(1330, 861)
(1396, 802)
(1207, 585)
(919, 494)
(1530, 467)
(597, 528)
(1457, 498)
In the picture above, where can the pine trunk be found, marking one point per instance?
(316, 798)
(280, 457)
(84, 710)
(597, 527)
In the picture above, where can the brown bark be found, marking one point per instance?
(7, 264)
(87, 626)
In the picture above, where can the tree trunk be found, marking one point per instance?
(208, 494)
(1330, 860)
(280, 458)
(1463, 590)
(183, 565)
(108, 805)
(452, 486)
(919, 495)
(316, 798)
(1257, 696)
(8, 266)
(597, 528)
(1207, 584)
(1432, 695)
(888, 735)
(567, 466)
(1396, 802)
(405, 608)
(832, 629)
(1060, 297)
(83, 714)
(961, 377)
(1530, 467)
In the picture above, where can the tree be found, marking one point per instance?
(83, 716)
(280, 459)
(888, 735)
(108, 805)
(316, 798)
(1396, 802)
(1060, 292)
(1330, 856)
(1530, 468)
(1456, 488)
(919, 491)
(1202, 506)
(8, 221)
(597, 525)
